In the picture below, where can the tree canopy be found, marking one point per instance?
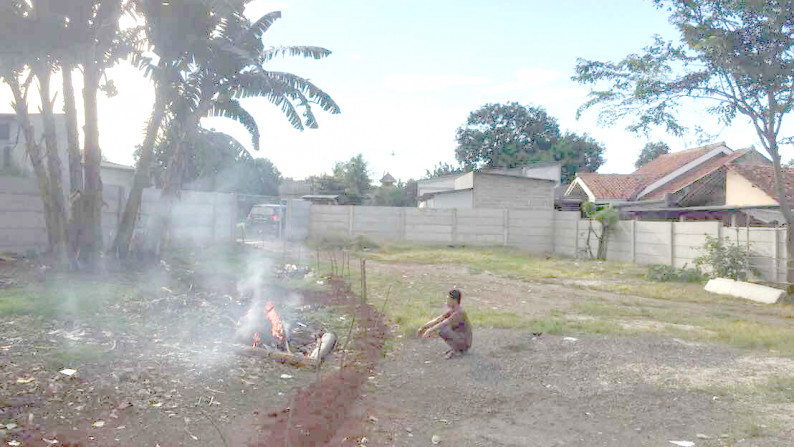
(651, 151)
(511, 135)
(217, 162)
(735, 58)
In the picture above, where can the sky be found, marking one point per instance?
(406, 74)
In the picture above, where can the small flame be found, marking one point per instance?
(256, 340)
(276, 325)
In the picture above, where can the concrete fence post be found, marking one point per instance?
(776, 255)
(576, 237)
(403, 212)
(633, 241)
(350, 217)
(454, 225)
(672, 243)
(506, 226)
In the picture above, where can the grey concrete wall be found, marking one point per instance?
(458, 199)
(297, 220)
(199, 217)
(530, 230)
(547, 231)
(501, 191)
(22, 226)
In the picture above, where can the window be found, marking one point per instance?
(5, 131)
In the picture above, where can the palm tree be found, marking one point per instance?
(211, 79)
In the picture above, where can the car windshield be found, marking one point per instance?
(263, 211)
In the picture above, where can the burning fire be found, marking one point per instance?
(276, 325)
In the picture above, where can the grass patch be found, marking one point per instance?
(509, 262)
(780, 388)
(64, 296)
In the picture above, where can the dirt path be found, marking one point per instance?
(514, 389)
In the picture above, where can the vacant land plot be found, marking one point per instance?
(621, 361)
(566, 352)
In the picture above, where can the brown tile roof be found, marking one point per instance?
(628, 186)
(667, 163)
(763, 176)
(696, 174)
(613, 186)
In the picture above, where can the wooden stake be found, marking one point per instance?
(347, 340)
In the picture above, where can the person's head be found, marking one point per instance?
(453, 297)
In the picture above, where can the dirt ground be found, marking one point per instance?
(516, 389)
(157, 383)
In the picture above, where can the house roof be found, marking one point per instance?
(111, 165)
(763, 176)
(387, 179)
(707, 168)
(613, 186)
(653, 174)
(667, 163)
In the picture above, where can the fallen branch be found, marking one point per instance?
(279, 356)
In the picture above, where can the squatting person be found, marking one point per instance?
(453, 326)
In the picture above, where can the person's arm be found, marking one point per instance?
(445, 320)
(430, 324)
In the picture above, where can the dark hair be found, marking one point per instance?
(455, 294)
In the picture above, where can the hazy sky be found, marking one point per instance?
(407, 73)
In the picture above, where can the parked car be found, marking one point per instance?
(265, 219)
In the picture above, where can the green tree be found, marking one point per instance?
(353, 175)
(214, 56)
(735, 57)
(217, 162)
(65, 34)
(651, 151)
(401, 194)
(442, 169)
(511, 135)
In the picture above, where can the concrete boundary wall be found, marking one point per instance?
(547, 231)
(199, 217)
(531, 230)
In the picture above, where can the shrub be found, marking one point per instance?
(723, 259)
(666, 273)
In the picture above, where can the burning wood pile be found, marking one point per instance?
(298, 344)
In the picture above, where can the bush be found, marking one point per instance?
(724, 260)
(666, 273)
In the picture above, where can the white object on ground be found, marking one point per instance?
(68, 371)
(683, 443)
(286, 376)
(746, 290)
(436, 439)
(569, 339)
(324, 346)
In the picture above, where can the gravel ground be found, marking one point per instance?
(514, 389)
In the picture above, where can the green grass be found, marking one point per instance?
(510, 262)
(64, 296)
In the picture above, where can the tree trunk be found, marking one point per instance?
(785, 208)
(121, 245)
(60, 236)
(91, 246)
(33, 150)
(75, 161)
(176, 170)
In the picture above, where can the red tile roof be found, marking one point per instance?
(763, 176)
(707, 168)
(667, 163)
(613, 186)
(628, 186)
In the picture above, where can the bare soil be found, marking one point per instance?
(181, 385)
(516, 389)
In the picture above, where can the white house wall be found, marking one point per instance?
(458, 199)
